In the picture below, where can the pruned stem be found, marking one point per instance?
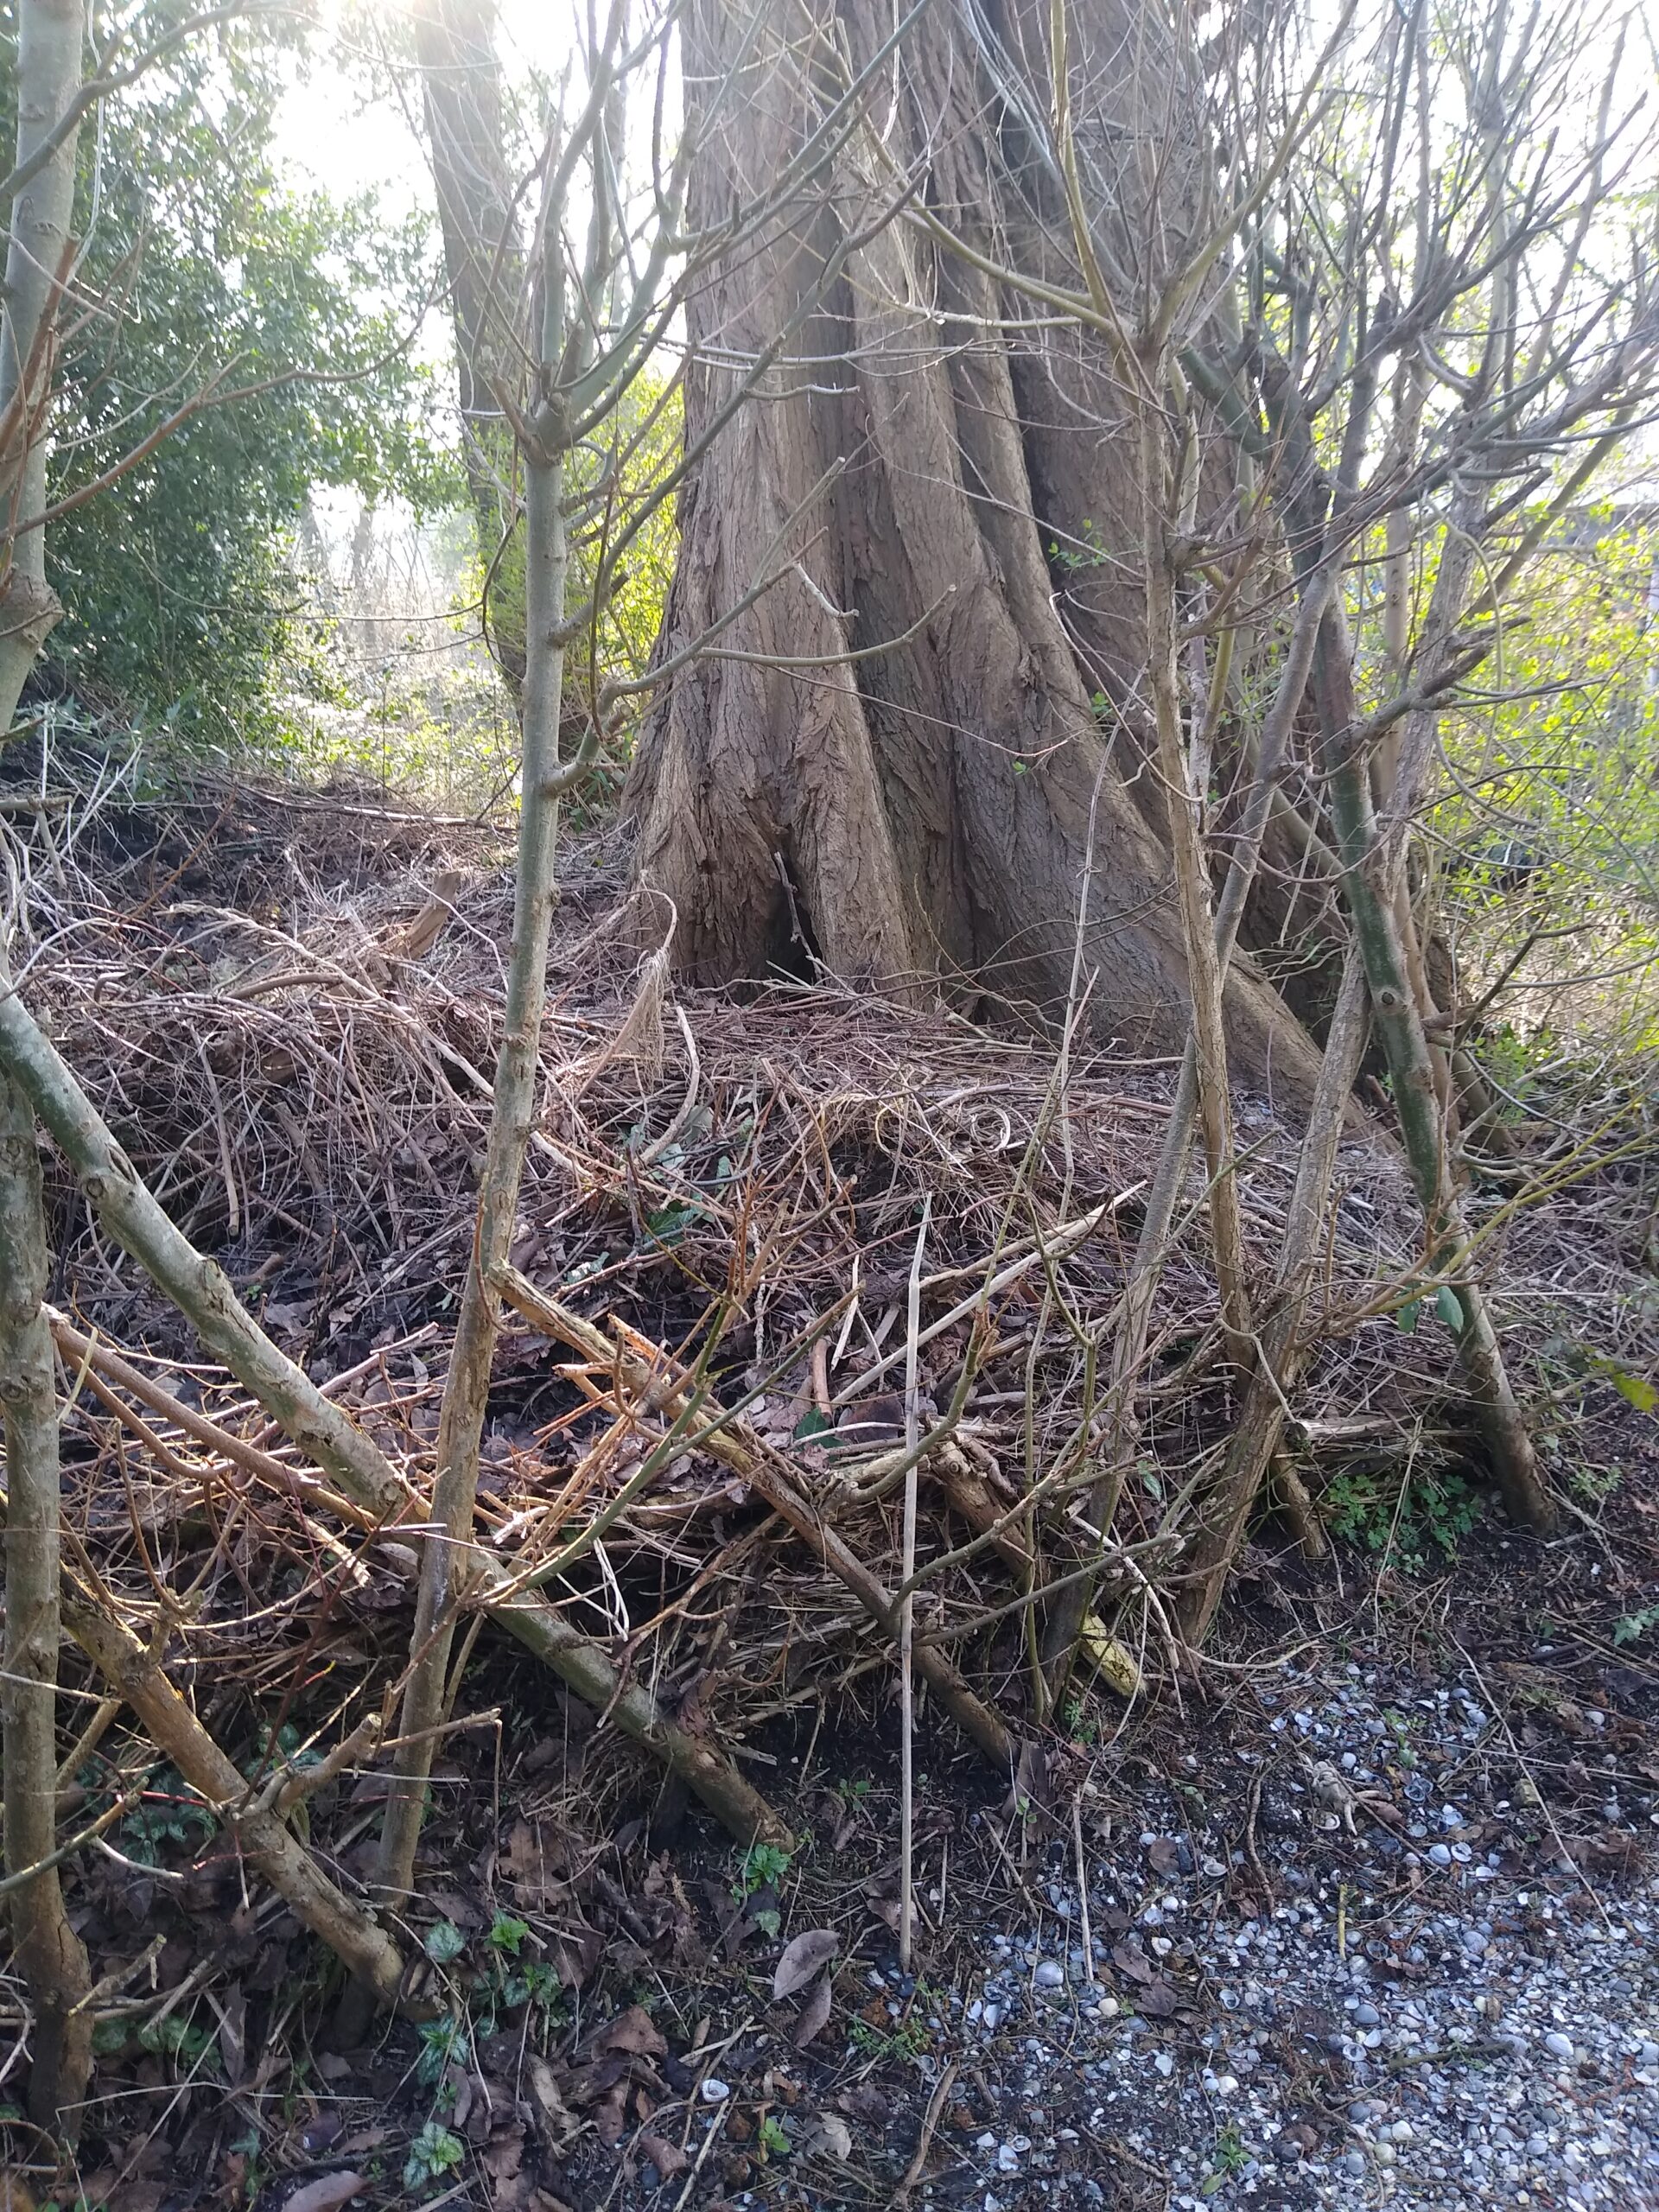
(1261, 1423)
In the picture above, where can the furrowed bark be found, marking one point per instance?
(737, 1447)
(928, 810)
(49, 37)
(131, 1216)
(349, 1930)
(50, 1955)
(460, 93)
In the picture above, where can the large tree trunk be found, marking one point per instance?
(483, 255)
(928, 812)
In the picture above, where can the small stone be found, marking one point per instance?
(1558, 2046)
(1165, 2064)
(1050, 1975)
(714, 2091)
(1439, 1854)
(1367, 2016)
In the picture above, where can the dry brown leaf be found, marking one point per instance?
(327, 2192)
(633, 2032)
(668, 2158)
(610, 2116)
(815, 2013)
(805, 1956)
(1130, 1959)
(554, 2121)
(830, 2135)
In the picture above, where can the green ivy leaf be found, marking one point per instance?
(1449, 1306)
(1405, 1316)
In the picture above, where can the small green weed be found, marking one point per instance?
(507, 1933)
(444, 1942)
(772, 2141)
(444, 2041)
(1089, 553)
(1231, 2150)
(764, 1865)
(1434, 1509)
(1636, 1625)
(432, 2154)
(170, 1812)
(1080, 1721)
(908, 2038)
(196, 2049)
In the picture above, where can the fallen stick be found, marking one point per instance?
(127, 1212)
(735, 1444)
(352, 1932)
(109, 1364)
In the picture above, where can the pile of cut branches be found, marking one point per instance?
(804, 1379)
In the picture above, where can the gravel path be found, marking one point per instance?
(1437, 2011)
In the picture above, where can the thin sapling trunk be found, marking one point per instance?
(51, 1957)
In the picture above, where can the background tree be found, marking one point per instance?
(202, 272)
(930, 811)
(48, 56)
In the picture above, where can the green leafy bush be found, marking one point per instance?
(207, 274)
